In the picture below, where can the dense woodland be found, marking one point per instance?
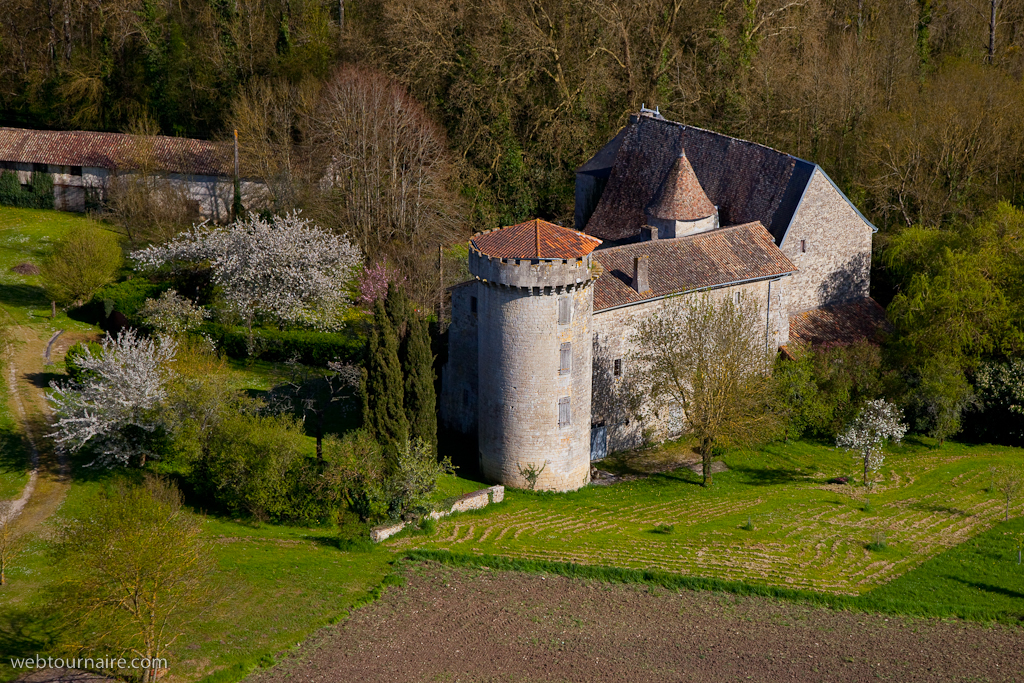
(913, 106)
(434, 119)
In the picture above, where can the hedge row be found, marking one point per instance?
(39, 194)
(311, 348)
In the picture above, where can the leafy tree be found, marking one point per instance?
(83, 260)
(141, 575)
(286, 270)
(115, 408)
(710, 358)
(877, 423)
(1000, 388)
(939, 399)
(384, 392)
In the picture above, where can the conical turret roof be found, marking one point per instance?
(535, 239)
(680, 196)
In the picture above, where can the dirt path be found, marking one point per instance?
(28, 377)
(480, 625)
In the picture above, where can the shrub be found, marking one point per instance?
(83, 260)
(71, 360)
(664, 528)
(41, 187)
(10, 189)
(39, 194)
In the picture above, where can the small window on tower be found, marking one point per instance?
(564, 310)
(618, 367)
(565, 359)
(563, 411)
(803, 246)
(472, 305)
(735, 297)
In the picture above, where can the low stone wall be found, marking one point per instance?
(471, 501)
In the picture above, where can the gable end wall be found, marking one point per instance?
(837, 264)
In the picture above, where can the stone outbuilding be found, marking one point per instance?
(539, 342)
(85, 163)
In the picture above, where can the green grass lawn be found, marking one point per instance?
(805, 533)
(26, 236)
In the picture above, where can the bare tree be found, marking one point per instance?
(709, 356)
(384, 169)
(1010, 484)
(313, 391)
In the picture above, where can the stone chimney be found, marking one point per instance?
(648, 233)
(641, 281)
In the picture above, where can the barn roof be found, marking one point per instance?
(839, 324)
(740, 253)
(114, 151)
(535, 239)
(746, 181)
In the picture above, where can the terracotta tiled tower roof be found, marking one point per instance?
(681, 196)
(535, 239)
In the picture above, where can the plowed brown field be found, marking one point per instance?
(450, 624)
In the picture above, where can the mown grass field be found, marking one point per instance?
(805, 533)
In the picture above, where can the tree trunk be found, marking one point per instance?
(53, 310)
(705, 455)
(867, 458)
(320, 437)
(992, 31)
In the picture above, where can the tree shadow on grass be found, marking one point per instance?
(924, 507)
(41, 380)
(23, 633)
(769, 476)
(989, 588)
(24, 296)
(14, 455)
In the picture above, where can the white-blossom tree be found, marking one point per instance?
(173, 314)
(286, 269)
(878, 422)
(116, 408)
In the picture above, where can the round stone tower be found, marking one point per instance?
(536, 302)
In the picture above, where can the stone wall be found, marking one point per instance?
(519, 346)
(471, 501)
(835, 261)
(620, 403)
(458, 404)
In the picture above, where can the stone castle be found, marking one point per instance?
(539, 340)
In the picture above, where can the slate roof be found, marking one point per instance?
(839, 324)
(536, 239)
(748, 182)
(739, 253)
(113, 151)
(680, 196)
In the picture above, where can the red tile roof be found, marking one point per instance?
(114, 151)
(839, 324)
(709, 259)
(535, 239)
(681, 197)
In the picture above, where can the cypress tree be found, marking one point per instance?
(384, 387)
(420, 397)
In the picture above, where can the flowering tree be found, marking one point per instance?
(116, 405)
(374, 283)
(173, 314)
(286, 269)
(879, 421)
